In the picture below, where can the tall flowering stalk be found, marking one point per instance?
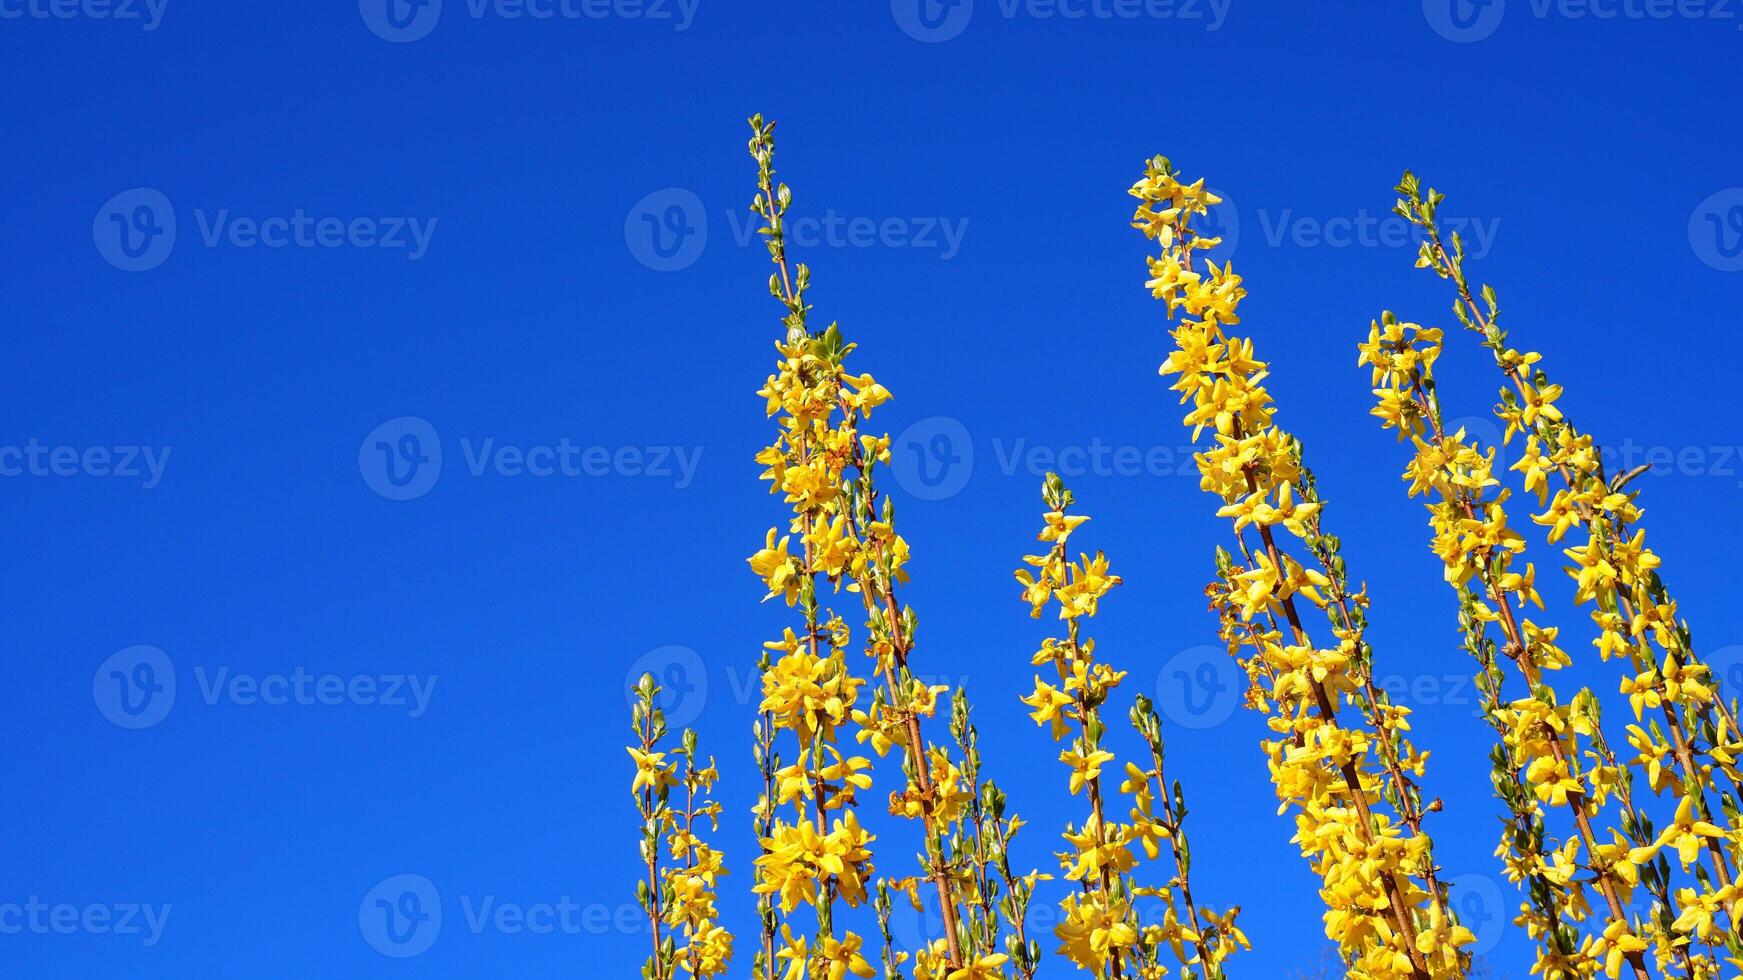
(680, 897)
(1341, 761)
(1541, 739)
(827, 467)
(1101, 931)
(1000, 893)
(1636, 618)
(808, 688)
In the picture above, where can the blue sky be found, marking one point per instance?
(518, 243)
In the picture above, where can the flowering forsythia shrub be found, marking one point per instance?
(1578, 836)
(1552, 759)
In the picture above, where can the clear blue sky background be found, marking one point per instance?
(539, 312)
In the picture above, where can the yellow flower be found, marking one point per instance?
(1642, 691)
(1052, 707)
(1687, 834)
(1084, 767)
(777, 569)
(982, 968)
(1618, 942)
(1524, 585)
(652, 771)
(809, 693)
(836, 958)
(1092, 932)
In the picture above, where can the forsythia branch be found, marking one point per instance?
(1617, 574)
(1102, 931)
(680, 897)
(1386, 923)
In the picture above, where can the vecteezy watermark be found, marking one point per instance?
(299, 687)
(568, 459)
(682, 677)
(1481, 907)
(404, 21)
(302, 230)
(136, 688)
(919, 926)
(1466, 21)
(1363, 229)
(1716, 230)
(136, 230)
(936, 21)
(932, 21)
(401, 916)
(561, 916)
(35, 917)
(835, 230)
(1718, 461)
(1093, 458)
(685, 685)
(35, 458)
(1652, 460)
(919, 929)
(668, 230)
(1431, 690)
(1726, 666)
(934, 458)
(148, 14)
(401, 459)
(1199, 687)
(1221, 220)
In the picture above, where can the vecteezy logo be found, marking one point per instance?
(682, 678)
(135, 230)
(401, 916)
(1198, 687)
(1221, 221)
(667, 230)
(135, 687)
(932, 21)
(401, 458)
(400, 21)
(1725, 666)
(1464, 21)
(1477, 901)
(916, 928)
(933, 458)
(1716, 230)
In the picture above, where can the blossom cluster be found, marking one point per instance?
(1102, 930)
(841, 537)
(1555, 755)
(1593, 817)
(680, 896)
(1351, 784)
